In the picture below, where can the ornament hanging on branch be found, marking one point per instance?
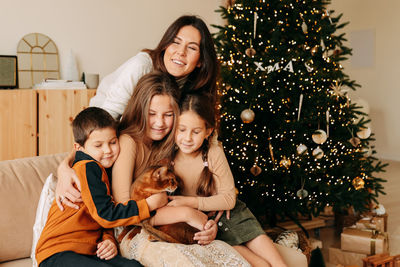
(314, 50)
(355, 141)
(337, 89)
(364, 133)
(326, 15)
(367, 151)
(318, 153)
(271, 149)
(358, 183)
(301, 149)
(302, 193)
(285, 162)
(247, 115)
(319, 137)
(300, 105)
(250, 52)
(304, 27)
(255, 170)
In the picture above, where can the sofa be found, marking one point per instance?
(21, 182)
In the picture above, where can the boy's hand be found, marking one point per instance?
(106, 250)
(157, 201)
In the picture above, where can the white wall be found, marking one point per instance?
(379, 81)
(101, 33)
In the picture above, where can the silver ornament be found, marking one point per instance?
(301, 193)
(301, 149)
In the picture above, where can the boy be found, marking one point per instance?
(76, 237)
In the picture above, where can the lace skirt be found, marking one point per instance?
(155, 254)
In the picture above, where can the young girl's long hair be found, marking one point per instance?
(202, 105)
(135, 117)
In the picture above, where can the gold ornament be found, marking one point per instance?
(247, 115)
(318, 153)
(304, 27)
(364, 133)
(285, 162)
(337, 89)
(358, 183)
(255, 170)
(250, 52)
(314, 50)
(319, 137)
(355, 141)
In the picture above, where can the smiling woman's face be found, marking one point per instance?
(182, 56)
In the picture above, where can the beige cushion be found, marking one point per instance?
(17, 263)
(21, 182)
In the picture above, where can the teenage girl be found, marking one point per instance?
(209, 184)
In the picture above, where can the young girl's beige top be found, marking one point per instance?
(132, 161)
(189, 168)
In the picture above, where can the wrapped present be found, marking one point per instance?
(372, 223)
(364, 241)
(345, 258)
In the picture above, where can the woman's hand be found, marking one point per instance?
(209, 233)
(183, 201)
(66, 193)
(106, 250)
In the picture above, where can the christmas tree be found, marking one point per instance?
(294, 139)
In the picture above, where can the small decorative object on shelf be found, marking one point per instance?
(8, 72)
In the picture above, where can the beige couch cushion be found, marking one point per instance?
(21, 182)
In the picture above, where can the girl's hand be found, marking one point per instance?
(66, 193)
(209, 233)
(176, 201)
(106, 250)
(219, 215)
(157, 201)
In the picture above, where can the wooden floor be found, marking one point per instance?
(391, 202)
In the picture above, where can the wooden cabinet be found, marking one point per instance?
(38, 122)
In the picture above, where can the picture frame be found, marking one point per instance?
(8, 72)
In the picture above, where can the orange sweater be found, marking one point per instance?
(81, 230)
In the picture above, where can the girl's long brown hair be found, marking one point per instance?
(135, 117)
(203, 78)
(202, 105)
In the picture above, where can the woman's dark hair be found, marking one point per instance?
(202, 105)
(202, 78)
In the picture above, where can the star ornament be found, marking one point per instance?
(337, 89)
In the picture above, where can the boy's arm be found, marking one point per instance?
(96, 195)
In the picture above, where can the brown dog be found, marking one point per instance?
(154, 180)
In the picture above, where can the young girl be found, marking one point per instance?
(209, 184)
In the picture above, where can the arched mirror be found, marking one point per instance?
(37, 60)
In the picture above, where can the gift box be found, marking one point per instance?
(372, 223)
(345, 258)
(364, 241)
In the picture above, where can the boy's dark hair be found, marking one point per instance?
(88, 120)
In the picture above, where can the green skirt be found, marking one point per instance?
(241, 227)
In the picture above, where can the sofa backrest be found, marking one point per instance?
(21, 181)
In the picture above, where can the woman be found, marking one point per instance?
(186, 51)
